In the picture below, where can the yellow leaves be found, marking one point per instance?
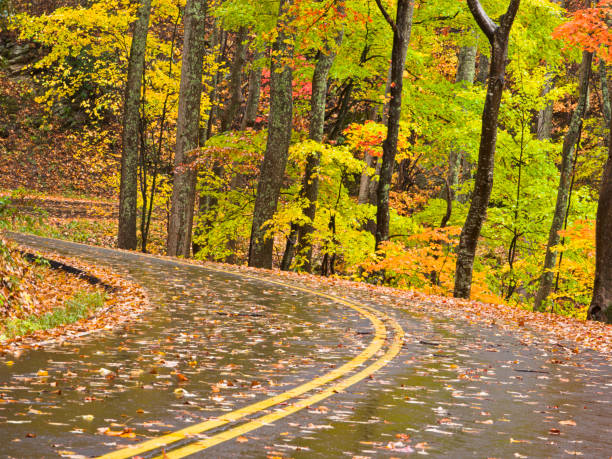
(512, 440)
(88, 52)
(331, 156)
(104, 372)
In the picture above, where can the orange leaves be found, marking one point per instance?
(367, 138)
(127, 432)
(577, 271)
(589, 30)
(446, 235)
(51, 289)
(425, 262)
(581, 235)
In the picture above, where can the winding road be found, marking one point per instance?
(278, 369)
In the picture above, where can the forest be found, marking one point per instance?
(455, 148)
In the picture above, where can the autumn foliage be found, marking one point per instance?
(588, 29)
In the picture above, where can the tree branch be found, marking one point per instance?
(486, 24)
(386, 15)
(437, 18)
(508, 18)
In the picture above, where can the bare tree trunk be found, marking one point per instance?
(252, 104)
(228, 121)
(301, 234)
(206, 201)
(277, 147)
(364, 183)
(368, 185)
(466, 72)
(187, 136)
(466, 65)
(402, 29)
(601, 304)
(498, 36)
(545, 116)
(482, 76)
(605, 92)
(131, 131)
(310, 182)
(567, 162)
(219, 38)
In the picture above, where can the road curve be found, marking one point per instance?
(454, 389)
(316, 385)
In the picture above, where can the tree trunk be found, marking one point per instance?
(466, 65)
(601, 304)
(290, 247)
(277, 147)
(205, 201)
(482, 76)
(131, 131)
(219, 38)
(605, 92)
(187, 136)
(310, 182)
(369, 183)
(567, 162)
(401, 37)
(228, 120)
(498, 37)
(466, 72)
(545, 116)
(364, 183)
(252, 104)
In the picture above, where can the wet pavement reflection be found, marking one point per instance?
(456, 390)
(236, 341)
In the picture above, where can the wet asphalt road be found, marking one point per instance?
(456, 389)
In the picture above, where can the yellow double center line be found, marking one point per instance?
(196, 429)
(200, 445)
